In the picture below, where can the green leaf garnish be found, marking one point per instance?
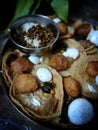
(24, 7)
(61, 8)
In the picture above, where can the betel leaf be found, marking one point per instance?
(22, 8)
(61, 8)
(35, 6)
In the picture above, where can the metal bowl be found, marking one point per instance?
(15, 30)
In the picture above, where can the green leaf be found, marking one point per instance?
(22, 8)
(61, 8)
(35, 6)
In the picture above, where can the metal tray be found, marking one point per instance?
(5, 44)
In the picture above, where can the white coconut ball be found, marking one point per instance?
(34, 59)
(71, 52)
(80, 111)
(93, 36)
(44, 74)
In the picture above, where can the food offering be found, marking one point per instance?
(37, 89)
(34, 33)
(60, 86)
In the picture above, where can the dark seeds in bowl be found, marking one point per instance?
(36, 37)
(34, 34)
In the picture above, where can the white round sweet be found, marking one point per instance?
(34, 59)
(91, 88)
(93, 36)
(71, 52)
(44, 74)
(57, 20)
(80, 111)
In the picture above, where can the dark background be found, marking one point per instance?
(83, 8)
(7, 8)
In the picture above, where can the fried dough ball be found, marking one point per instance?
(21, 65)
(83, 29)
(25, 83)
(72, 86)
(59, 62)
(92, 68)
(62, 27)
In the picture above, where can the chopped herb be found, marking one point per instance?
(47, 87)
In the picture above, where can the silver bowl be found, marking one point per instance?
(15, 30)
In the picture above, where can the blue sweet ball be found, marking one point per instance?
(80, 111)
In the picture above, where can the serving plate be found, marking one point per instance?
(5, 45)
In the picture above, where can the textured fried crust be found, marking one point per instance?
(78, 70)
(38, 104)
(25, 83)
(17, 66)
(59, 62)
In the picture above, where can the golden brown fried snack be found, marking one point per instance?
(92, 68)
(72, 86)
(13, 63)
(25, 83)
(39, 104)
(62, 27)
(21, 65)
(83, 29)
(78, 70)
(59, 62)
